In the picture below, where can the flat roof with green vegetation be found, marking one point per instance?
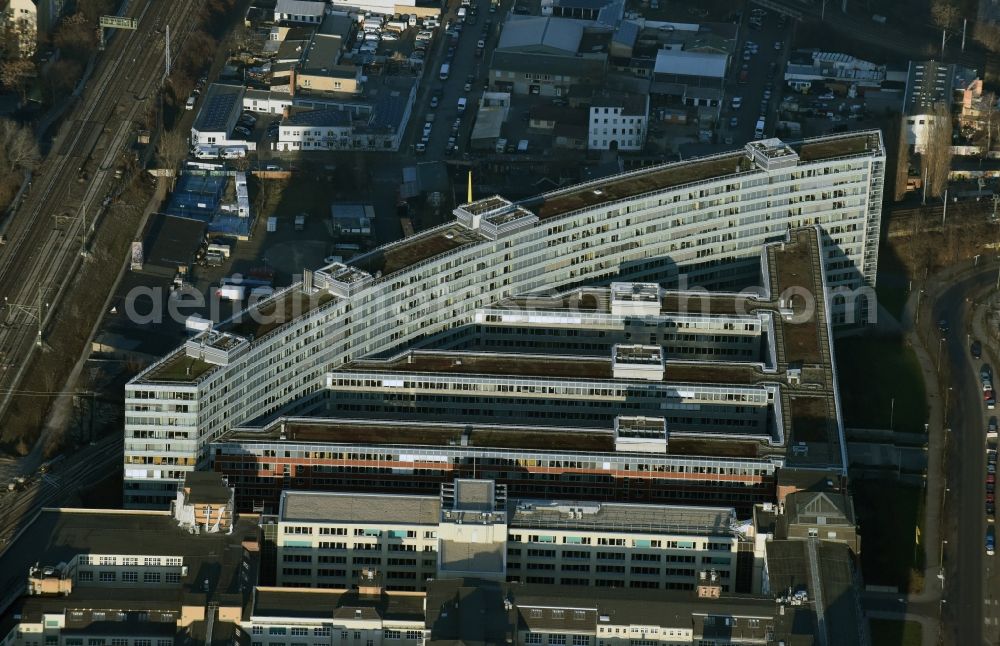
(271, 314)
(812, 418)
(833, 147)
(415, 249)
(797, 269)
(352, 432)
(544, 440)
(179, 368)
(556, 366)
(640, 182)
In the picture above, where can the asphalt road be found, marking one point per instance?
(752, 92)
(464, 64)
(966, 566)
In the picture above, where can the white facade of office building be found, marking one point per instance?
(710, 221)
(612, 127)
(409, 539)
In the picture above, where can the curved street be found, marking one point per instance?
(960, 581)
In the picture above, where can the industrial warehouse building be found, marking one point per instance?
(336, 347)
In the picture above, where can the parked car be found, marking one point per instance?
(778, 45)
(733, 122)
(976, 349)
(240, 130)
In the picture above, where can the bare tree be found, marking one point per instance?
(987, 35)
(16, 73)
(76, 37)
(61, 77)
(173, 148)
(935, 161)
(20, 149)
(945, 13)
(94, 9)
(902, 160)
(987, 122)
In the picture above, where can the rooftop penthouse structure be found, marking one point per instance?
(701, 222)
(636, 424)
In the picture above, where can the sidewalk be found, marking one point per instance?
(923, 606)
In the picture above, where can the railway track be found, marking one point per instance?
(50, 228)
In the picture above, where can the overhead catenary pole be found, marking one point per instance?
(166, 55)
(944, 209)
(965, 22)
(83, 232)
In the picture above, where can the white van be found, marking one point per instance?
(189, 104)
(445, 69)
(461, 105)
(206, 152)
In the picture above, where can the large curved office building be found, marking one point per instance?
(701, 222)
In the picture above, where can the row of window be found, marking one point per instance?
(149, 561)
(130, 577)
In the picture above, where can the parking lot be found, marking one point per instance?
(757, 72)
(466, 79)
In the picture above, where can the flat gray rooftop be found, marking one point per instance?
(56, 536)
(306, 506)
(297, 602)
(623, 517)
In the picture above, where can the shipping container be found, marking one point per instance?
(272, 224)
